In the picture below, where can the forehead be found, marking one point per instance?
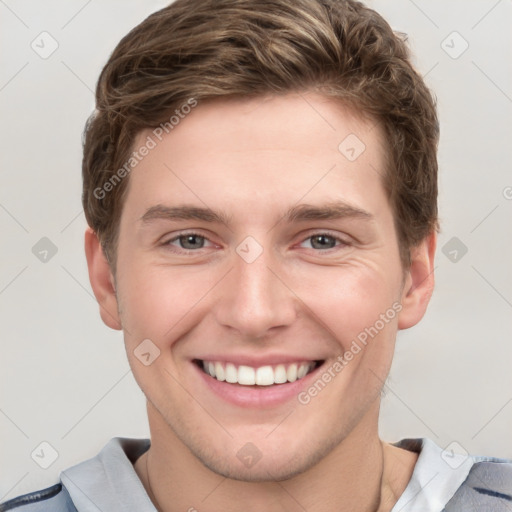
(298, 121)
(269, 149)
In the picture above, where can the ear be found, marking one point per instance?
(418, 283)
(102, 280)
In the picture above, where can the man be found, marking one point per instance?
(260, 182)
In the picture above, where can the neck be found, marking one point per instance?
(361, 473)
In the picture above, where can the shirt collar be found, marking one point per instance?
(109, 481)
(437, 476)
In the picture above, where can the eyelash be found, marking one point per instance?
(339, 242)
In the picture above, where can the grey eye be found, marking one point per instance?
(322, 242)
(191, 241)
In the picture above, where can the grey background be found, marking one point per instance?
(64, 377)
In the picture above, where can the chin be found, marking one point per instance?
(273, 463)
(262, 471)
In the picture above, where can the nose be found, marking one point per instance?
(254, 299)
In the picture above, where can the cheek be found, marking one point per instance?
(158, 301)
(348, 300)
(158, 304)
(359, 309)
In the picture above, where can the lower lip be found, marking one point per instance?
(256, 396)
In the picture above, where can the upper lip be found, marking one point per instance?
(257, 361)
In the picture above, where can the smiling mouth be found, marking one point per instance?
(267, 375)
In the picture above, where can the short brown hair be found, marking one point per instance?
(204, 49)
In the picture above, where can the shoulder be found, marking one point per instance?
(107, 479)
(54, 499)
(487, 487)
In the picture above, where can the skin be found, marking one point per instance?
(253, 160)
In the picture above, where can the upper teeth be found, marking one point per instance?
(262, 376)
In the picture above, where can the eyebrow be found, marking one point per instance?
(329, 211)
(184, 213)
(303, 212)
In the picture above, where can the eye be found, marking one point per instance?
(188, 241)
(322, 241)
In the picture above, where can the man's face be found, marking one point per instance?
(249, 240)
